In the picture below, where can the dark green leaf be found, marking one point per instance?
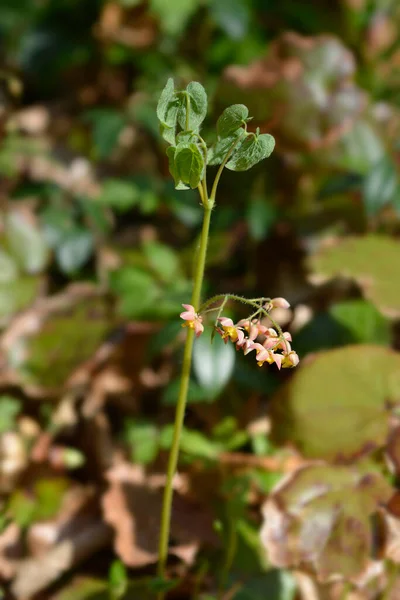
(189, 164)
(232, 118)
(254, 149)
(107, 125)
(261, 215)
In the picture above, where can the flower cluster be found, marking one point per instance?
(271, 345)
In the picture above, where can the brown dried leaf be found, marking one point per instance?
(132, 506)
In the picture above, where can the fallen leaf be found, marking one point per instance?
(319, 518)
(132, 506)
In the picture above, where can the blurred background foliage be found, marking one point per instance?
(96, 252)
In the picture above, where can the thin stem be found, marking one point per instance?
(187, 111)
(230, 555)
(181, 405)
(221, 168)
(204, 180)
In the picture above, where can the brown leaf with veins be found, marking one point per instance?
(319, 519)
(132, 506)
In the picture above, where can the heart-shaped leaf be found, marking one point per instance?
(189, 164)
(337, 405)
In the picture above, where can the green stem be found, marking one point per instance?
(221, 168)
(181, 405)
(229, 558)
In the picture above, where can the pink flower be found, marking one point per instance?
(193, 320)
(279, 303)
(229, 330)
(265, 355)
(290, 360)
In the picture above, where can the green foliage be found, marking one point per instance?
(187, 159)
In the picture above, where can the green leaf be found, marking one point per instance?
(107, 125)
(363, 321)
(372, 260)
(25, 242)
(254, 149)
(341, 420)
(189, 164)
(213, 364)
(174, 14)
(163, 260)
(67, 334)
(136, 291)
(119, 194)
(260, 215)
(142, 437)
(197, 444)
(218, 152)
(167, 111)
(350, 322)
(321, 518)
(18, 294)
(232, 118)
(196, 393)
(232, 16)
(193, 442)
(75, 250)
(197, 106)
(117, 580)
(9, 409)
(84, 588)
(380, 186)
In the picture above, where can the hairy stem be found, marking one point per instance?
(182, 398)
